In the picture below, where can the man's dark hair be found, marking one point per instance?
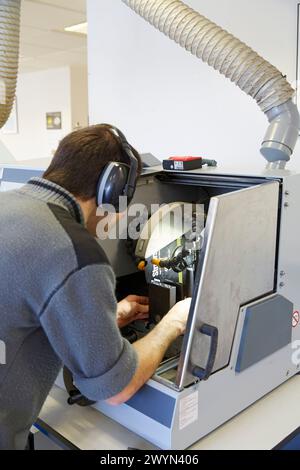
(82, 155)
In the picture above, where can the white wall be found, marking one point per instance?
(39, 93)
(79, 97)
(167, 101)
(55, 90)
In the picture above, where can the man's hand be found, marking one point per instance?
(178, 315)
(152, 348)
(131, 309)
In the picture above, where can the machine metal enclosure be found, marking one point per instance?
(246, 287)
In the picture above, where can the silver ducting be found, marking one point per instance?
(282, 134)
(238, 62)
(9, 55)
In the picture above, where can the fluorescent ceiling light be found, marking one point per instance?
(81, 28)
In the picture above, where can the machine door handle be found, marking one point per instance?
(213, 333)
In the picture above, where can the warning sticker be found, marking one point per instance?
(296, 319)
(188, 410)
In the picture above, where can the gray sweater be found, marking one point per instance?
(58, 307)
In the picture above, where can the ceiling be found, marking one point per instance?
(44, 43)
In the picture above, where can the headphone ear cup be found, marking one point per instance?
(112, 184)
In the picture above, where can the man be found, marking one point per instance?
(57, 292)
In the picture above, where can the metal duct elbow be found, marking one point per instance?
(282, 134)
(238, 62)
(10, 12)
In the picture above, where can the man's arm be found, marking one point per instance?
(152, 348)
(80, 321)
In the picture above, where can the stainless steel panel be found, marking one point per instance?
(237, 266)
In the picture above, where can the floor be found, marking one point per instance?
(42, 442)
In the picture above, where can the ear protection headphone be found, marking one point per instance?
(118, 179)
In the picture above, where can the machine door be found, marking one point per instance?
(236, 266)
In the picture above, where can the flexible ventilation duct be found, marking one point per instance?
(9, 55)
(238, 62)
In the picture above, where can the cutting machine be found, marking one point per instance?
(242, 269)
